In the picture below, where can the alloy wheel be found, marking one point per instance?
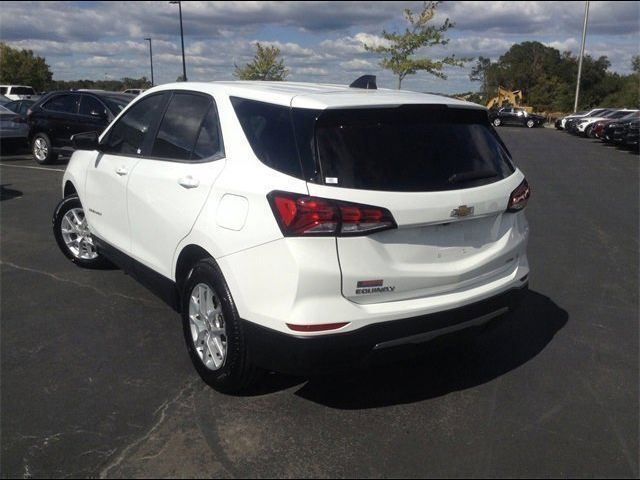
(208, 328)
(76, 235)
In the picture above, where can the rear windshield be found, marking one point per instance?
(409, 149)
(22, 91)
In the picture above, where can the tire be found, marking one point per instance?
(497, 122)
(73, 237)
(41, 149)
(222, 358)
(531, 124)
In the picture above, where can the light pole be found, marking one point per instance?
(584, 37)
(151, 59)
(184, 68)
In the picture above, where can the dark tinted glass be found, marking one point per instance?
(269, 130)
(22, 91)
(91, 106)
(618, 115)
(409, 149)
(63, 103)
(3, 90)
(209, 142)
(180, 126)
(24, 107)
(117, 103)
(128, 135)
(13, 106)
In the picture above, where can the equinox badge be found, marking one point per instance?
(462, 211)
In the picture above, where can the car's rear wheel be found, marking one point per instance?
(42, 149)
(531, 123)
(213, 330)
(72, 234)
(497, 122)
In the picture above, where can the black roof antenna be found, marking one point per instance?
(367, 82)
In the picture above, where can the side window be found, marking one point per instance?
(209, 141)
(127, 136)
(63, 103)
(180, 126)
(91, 106)
(3, 90)
(269, 130)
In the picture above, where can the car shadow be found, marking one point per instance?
(8, 193)
(453, 363)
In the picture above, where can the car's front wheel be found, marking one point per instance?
(497, 122)
(213, 330)
(42, 149)
(72, 234)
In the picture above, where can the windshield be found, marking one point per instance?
(409, 148)
(116, 104)
(3, 109)
(616, 115)
(631, 116)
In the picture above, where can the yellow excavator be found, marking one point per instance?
(513, 98)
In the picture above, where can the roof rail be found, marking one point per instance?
(367, 82)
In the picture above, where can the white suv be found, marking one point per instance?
(17, 92)
(301, 227)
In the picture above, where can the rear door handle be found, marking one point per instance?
(122, 171)
(189, 182)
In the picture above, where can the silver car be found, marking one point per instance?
(13, 128)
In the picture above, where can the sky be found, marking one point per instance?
(319, 41)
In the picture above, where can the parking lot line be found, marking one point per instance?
(32, 168)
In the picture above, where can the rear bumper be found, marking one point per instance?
(302, 355)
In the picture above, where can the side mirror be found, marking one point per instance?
(85, 141)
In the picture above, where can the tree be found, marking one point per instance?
(400, 47)
(264, 66)
(22, 67)
(480, 73)
(635, 63)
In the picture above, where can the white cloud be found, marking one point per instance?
(357, 65)
(315, 38)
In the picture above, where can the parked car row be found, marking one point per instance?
(47, 124)
(611, 125)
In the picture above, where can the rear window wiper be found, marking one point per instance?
(472, 175)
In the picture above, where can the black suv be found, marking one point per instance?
(59, 115)
(515, 116)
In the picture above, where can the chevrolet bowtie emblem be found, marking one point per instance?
(462, 211)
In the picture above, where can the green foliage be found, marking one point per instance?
(547, 78)
(398, 53)
(264, 66)
(22, 67)
(479, 73)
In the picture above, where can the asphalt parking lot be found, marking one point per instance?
(96, 381)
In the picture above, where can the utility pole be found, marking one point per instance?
(151, 59)
(584, 38)
(184, 68)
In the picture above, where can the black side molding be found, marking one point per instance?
(367, 82)
(159, 285)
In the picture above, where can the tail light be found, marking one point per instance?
(302, 215)
(519, 197)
